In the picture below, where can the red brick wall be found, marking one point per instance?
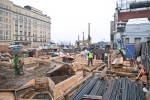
(124, 16)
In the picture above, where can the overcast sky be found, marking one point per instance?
(70, 18)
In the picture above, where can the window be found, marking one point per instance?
(29, 20)
(1, 12)
(16, 28)
(29, 25)
(16, 38)
(16, 23)
(1, 5)
(1, 25)
(21, 18)
(20, 32)
(25, 25)
(7, 32)
(7, 14)
(9, 7)
(1, 19)
(21, 23)
(6, 37)
(6, 26)
(16, 16)
(20, 28)
(137, 40)
(25, 19)
(6, 6)
(1, 31)
(148, 38)
(25, 38)
(29, 34)
(7, 20)
(20, 38)
(16, 32)
(25, 33)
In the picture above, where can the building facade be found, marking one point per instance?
(136, 31)
(126, 10)
(23, 25)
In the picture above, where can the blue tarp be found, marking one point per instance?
(130, 51)
(15, 47)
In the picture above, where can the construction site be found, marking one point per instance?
(118, 70)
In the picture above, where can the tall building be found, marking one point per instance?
(23, 25)
(127, 10)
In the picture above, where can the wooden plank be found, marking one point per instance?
(92, 97)
(101, 66)
(117, 73)
(103, 73)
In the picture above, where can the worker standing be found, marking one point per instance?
(16, 65)
(90, 58)
(21, 64)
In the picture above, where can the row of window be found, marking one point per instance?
(136, 40)
(21, 33)
(29, 34)
(35, 22)
(5, 13)
(6, 26)
(25, 39)
(5, 6)
(6, 32)
(7, 20)
(5, 37)
(25, 24)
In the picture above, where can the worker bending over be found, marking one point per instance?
(16, 65)
(123, 54)
(143, 75)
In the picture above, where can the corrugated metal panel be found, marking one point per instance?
(146, 55)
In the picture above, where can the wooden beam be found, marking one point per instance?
(117, 73)
(92, 97)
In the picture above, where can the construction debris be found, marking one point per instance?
(68, 77)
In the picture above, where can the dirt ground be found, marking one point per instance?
(8, 79)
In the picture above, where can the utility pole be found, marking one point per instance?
(83, 36)
(89, 37)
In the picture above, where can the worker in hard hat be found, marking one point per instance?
(90, 58)
(16, 65)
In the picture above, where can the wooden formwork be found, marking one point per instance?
(66, 84)
(7, 95)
